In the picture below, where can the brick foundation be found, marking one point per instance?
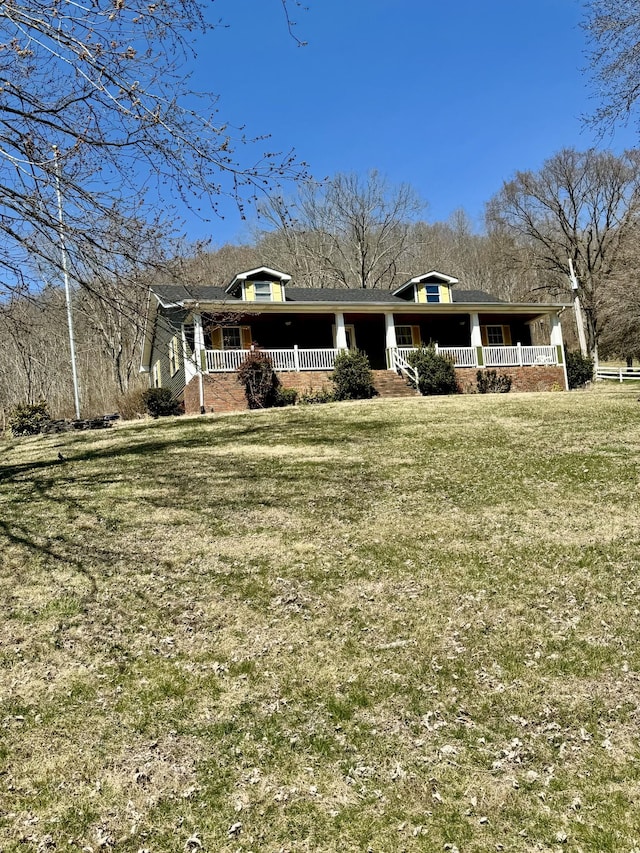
(534, 378)
(223, 393)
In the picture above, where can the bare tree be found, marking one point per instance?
(613, 28)
(97, 95)
(347, 232)
(580, 205)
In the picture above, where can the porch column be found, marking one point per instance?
(556, 331)
(199, 355)
(476, 337)
(188, 359)
(390, 337)
(198, 341)
(557, 342)
(341, 332)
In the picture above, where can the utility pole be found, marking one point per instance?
(67, 289)
(576, 304)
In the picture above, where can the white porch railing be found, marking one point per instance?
(296, 359)
(462, 356)
(492, 356)
(399, 363)
(519, 356)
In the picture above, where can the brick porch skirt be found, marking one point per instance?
(223, 392)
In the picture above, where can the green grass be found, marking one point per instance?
(371, 626)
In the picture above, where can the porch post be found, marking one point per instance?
(198, 341)
(556, 341)
(341, 332)
(199, 355)
(476, 338)
(390, 337)
(188, 359)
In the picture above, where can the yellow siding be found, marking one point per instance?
(443, 292)
(506, 334)
(249, 291)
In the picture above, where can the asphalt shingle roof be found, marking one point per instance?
(210, 293)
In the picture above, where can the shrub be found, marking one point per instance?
(579, 368)
(352, 376)
(436, 373)
(285, 397)
(159, 402)
(260, 382)
(490, 382)
(311, 398)
(28, 418)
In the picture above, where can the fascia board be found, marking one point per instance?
(377, 307)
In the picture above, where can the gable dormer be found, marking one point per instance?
(260, 285)
(432, 287)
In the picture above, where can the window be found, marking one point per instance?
(231, 337)
(433, 292)
(173, 356)
(155, 375)
(495, 336)
(262, 291)
(404, 336)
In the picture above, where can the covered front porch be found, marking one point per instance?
(306, 342)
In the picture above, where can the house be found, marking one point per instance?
(196, 336)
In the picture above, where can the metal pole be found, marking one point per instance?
(67, 289)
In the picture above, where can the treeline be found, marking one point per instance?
(358, 232)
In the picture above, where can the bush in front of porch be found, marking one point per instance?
(352, 376)
(436, 373)
(260, 382)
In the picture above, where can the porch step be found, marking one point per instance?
(389, 384)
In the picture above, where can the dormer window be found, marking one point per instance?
(262, 291)
(433, 292)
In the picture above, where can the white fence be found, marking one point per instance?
(296, 359)
(618, 373)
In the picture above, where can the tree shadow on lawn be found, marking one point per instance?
(97, 484)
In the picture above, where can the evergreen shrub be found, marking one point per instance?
(28, 418)
(285, 397)
(352, 377)
(436, 373)
(579, 368)
(159, 402)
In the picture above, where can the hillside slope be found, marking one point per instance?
(403, 625)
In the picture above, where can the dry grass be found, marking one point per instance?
(381, 626)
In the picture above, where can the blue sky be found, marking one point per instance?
(451, 97)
